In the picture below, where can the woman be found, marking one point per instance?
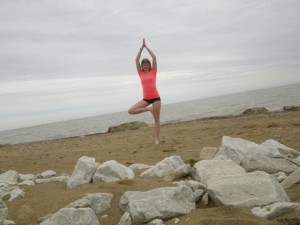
(150, 94)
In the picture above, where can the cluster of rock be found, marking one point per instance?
(239, 173)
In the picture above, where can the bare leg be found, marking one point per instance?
(139, 107)
(156, 115)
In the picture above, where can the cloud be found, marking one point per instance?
(75, 58)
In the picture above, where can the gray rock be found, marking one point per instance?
(274, 210)
(83, 172)
(27, 182)
(3, 211)
(15, 193)
(161, 203)
(11, 177)
(63, 179)
(207, 169)
(246, 190)
(264, 163)
(139, 166)
(8, 222)
(157, 222)
(236, 149)
(280, 176)
(284, 150)
(48, 173)
(291, 179)
(164, 167)
(72, 216)
(179, 172)
(205, 199)
(24, 177)
(125, 219)
(99, 202)
(111, 171)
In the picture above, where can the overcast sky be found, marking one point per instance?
(66, 59)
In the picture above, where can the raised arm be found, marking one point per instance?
(137, 58)
(153, 56)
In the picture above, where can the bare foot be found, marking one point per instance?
(157, 142)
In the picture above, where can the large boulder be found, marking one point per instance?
(264, 163)
(83, 172)
(284, 150)
(160, 203)
(111, 171)
(246, 190)
(73, 216)
(207, 169)
(236, 148)
(127, 126)
(164, 168)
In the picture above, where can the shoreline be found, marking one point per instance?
(218, 117)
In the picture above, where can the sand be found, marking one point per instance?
(184, 139)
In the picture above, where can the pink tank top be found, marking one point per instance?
(149, 84)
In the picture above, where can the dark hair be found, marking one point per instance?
(145, 60)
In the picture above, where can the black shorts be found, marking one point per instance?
(150, 101)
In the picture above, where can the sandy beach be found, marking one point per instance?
(137, 146)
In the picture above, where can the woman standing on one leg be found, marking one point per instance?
(150, 94)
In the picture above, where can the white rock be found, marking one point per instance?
(179, 172)
(11, 177)
(237, 148)
(111, 171)
(157, 222)
(291, 179)
(83, 172)
(175, 220)
(207, 169)
(24, 177)
(48, 173)
(125, 219)
(280, 176)
(3, 211)
(63, 179)
(139, 166)
(27, 182)
(99, 202)
(205, 199)
(264, 163)
(8, 222)
(161, 203)
(73, 216)
(164, 167)
(16, 193)
(246, 190)
(274, 210)
(284, 150)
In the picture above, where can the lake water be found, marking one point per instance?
(272, 98)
